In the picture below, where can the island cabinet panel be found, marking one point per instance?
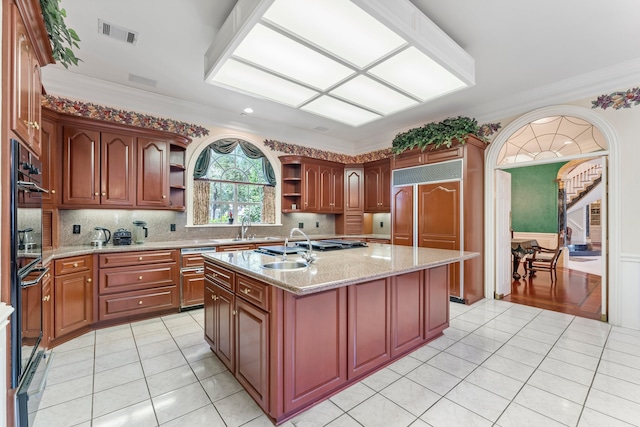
(252, 351)
(315, 346)
(225, 328)
(369, 326)
(407, 312)
(436, 301)
(209, 315)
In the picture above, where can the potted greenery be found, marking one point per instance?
(62, 39)
(433, 135)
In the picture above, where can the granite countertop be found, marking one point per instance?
(338, 268)
(67, 251)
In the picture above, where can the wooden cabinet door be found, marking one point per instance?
(369, 326)
(337, 189)
(402, 216)
(210, 315)
(31, 315)
(439, 222)
(225, 327)
(252, 351)
(371, 184)
(407, 312)
(81, 166)
(73, 295)
(117, 182)
(354, 190)
(436, 301)
(314, 342)
(47, 310)
(310, 188)
(152, 173)
(49, 161)
(192, 288)
(385, 188)
(325, 183)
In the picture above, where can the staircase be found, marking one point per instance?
(582, 180)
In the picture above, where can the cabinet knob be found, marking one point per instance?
(139, 277)
(246, 291)
(36, 125)
(214, 275)
(140, 259)
(75, 264)
(89, 280)
(214, 297)
(96, 194)
(234, 312)
(53, 191)
(104, 194)
(139, 302)
(164, 196)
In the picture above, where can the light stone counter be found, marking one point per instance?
(338, 268)
(68, 251)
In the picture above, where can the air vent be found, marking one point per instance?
(444, 171)
(116, 32)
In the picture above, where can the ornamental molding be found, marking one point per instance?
(618, 100)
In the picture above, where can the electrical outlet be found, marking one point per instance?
(172, 227)
(301, 225)
(317, 224)
(76, 229)
(381, 224)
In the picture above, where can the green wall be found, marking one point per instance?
(534, 198)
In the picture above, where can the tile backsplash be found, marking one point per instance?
(159, 224)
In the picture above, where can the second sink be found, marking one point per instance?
(285, 265)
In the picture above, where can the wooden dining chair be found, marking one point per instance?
(543, 259)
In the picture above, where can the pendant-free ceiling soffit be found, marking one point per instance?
(351, 61)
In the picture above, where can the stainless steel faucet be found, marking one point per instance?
(308, 256)
(246, 223)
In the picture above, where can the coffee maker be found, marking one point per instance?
(140, 232)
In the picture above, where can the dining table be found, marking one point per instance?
(519, 248)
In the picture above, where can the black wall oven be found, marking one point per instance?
(29, 362)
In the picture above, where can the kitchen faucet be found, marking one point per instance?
(308, 256)
(246, 223)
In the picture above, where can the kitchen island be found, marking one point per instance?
(293, 338)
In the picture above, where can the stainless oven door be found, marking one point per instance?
(31, 388)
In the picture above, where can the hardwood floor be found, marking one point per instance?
(575, 293)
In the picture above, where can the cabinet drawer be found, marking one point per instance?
(137, 302)
(123, 259)
(233, 248)
(72, 265)
(219, 275)
(192, 260)
(440, 156)
(253, 291)
(133, 278)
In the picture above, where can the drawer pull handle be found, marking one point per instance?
(140, 302)
(214, 297)
(139, 277)
(246, 291)
(75, 264)
(214, 275)
(140, 259)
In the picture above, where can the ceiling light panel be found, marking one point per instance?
(336, 26)
(369, 93)
(340, 111)
(416, 73)
(250, 79)
(271, 50)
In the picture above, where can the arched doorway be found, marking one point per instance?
(495, 157)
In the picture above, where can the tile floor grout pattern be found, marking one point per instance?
(498, 363)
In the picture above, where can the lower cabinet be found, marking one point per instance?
(73, 294)
(252, 351)
(407, 311)
(436, 301)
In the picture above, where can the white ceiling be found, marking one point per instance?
(527, 55)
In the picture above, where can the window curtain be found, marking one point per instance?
(269, 205)
(226, 146)
(201, 191)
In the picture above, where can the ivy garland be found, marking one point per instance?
(62, 39)
(435, 135)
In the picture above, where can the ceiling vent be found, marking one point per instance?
(116, 32)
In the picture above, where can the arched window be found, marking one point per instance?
(233, 179)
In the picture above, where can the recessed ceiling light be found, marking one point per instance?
(248, 110)
(353, 61)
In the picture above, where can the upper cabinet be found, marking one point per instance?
(311, 185)
(107, 165)
(377, 186)
(29, 53)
